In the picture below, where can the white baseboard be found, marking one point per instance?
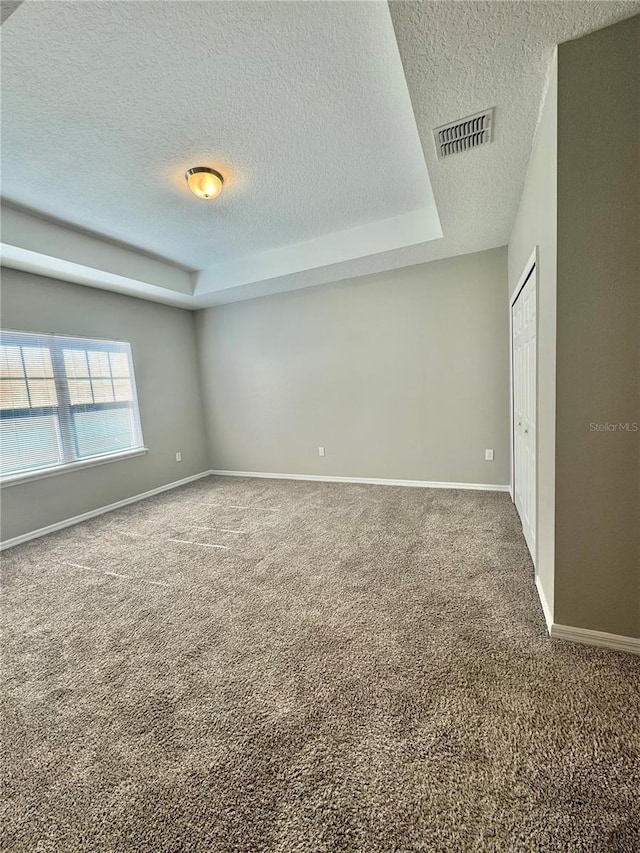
(68, 522)
(374, 481)
(596, 638)
(548, 616)
(585, 635)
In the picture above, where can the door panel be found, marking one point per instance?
(524, 367)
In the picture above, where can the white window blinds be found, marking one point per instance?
(64, 400)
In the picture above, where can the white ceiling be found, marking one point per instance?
(462, 57)
(304, 107)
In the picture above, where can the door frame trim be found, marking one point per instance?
(531, 264)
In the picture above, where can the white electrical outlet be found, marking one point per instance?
(321, 451)
(488, 455)
(178, 457)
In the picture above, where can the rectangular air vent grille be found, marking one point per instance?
(463, 135)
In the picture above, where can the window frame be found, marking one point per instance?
(56, 343)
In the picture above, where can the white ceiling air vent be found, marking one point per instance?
(465, 134)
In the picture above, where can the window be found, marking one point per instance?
(64, 401)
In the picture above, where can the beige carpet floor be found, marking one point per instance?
(242, 666)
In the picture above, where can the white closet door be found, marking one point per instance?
(524, 326)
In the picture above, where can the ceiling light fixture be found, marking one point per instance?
(204, 182)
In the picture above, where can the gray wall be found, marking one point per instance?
(598, 473)
(400, 375)
(164, 353)
(535, 225)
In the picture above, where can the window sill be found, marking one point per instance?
(27, 476)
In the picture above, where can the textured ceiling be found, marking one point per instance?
(303, 105)
(462, 57)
